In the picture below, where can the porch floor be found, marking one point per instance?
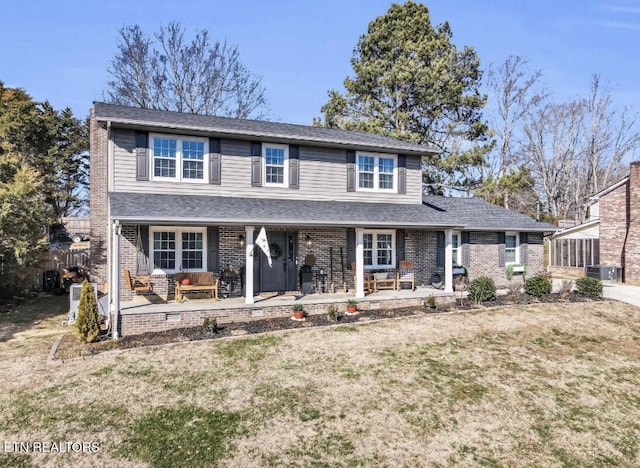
(140, 305)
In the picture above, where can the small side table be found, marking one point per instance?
(321, 283)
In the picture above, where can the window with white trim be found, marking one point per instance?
(455, 248)
(275, 164)
(179, 158)
(511, 248)
(379, 249)
(377, 172)
(178, 249)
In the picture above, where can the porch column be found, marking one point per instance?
(114, 284)
(359, 263)
(248, 269)
(448, 261)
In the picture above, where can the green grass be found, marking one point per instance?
(181, 436)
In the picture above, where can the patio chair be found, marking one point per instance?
(368, 280)
(138, 283)
(406, 274)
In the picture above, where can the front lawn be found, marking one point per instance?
(544, 384)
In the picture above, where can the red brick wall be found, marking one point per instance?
(98, 184)
(632, 245)
(613, 226)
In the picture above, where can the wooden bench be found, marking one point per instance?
(201, 281)
(138, 283)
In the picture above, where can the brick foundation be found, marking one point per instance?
(133, 323)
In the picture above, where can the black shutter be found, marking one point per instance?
(501, 249)
(256, 164)
(215, 161)
(142, 156)
(351, 247)
(524, 247)
(465, 248)
(399, 245)
(351, 171)
(144, 264)
(402, 174)
(294, 166)
(213, 249)
(440, 249)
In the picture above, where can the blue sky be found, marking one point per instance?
(60, 50)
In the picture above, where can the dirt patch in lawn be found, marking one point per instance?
(70, 347)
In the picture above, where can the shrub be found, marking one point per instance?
(210, 326)
(430, 302)
(332, 312)
(538, 286)
(482, 289)
(88, 322)
(589, 287)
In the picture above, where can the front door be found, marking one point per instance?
(280, 276)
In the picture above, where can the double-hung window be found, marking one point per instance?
(379, 249)
(178, 158)
(511, 247)
(455, 248)
(276, 165)
(178, 249)
(377, 172)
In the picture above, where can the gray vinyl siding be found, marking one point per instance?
(323, 175)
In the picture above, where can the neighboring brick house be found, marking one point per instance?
(173, 191)
(608, 238)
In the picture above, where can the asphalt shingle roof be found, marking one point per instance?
(437, 212)
(149, 118)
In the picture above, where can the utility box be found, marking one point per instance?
(74, 300)
(604, 273)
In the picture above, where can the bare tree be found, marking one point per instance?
(170, 73)
(554, 147)
(610, 136)
(514, 93)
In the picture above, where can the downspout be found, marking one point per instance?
(115, 283)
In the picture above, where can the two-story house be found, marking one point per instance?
(172, 192)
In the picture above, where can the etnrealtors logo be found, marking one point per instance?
(48, 446)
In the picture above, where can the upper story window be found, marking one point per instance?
(379, 249)
(178, 158)
(275, 164)
(377, 172)
(511, 248)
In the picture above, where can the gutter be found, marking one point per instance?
(282, 136)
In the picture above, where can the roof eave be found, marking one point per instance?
(272, 135)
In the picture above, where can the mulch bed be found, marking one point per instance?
(70, 346)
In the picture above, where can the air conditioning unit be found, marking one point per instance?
(74, 300)
(604, 273)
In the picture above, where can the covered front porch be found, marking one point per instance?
(140, 315)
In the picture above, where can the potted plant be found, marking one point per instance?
(352, 306)
(298, 311)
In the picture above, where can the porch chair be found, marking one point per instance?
(406, 274)
(368, 280)
(138, 283)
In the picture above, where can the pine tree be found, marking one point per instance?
(87, 322)
(411, 82)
